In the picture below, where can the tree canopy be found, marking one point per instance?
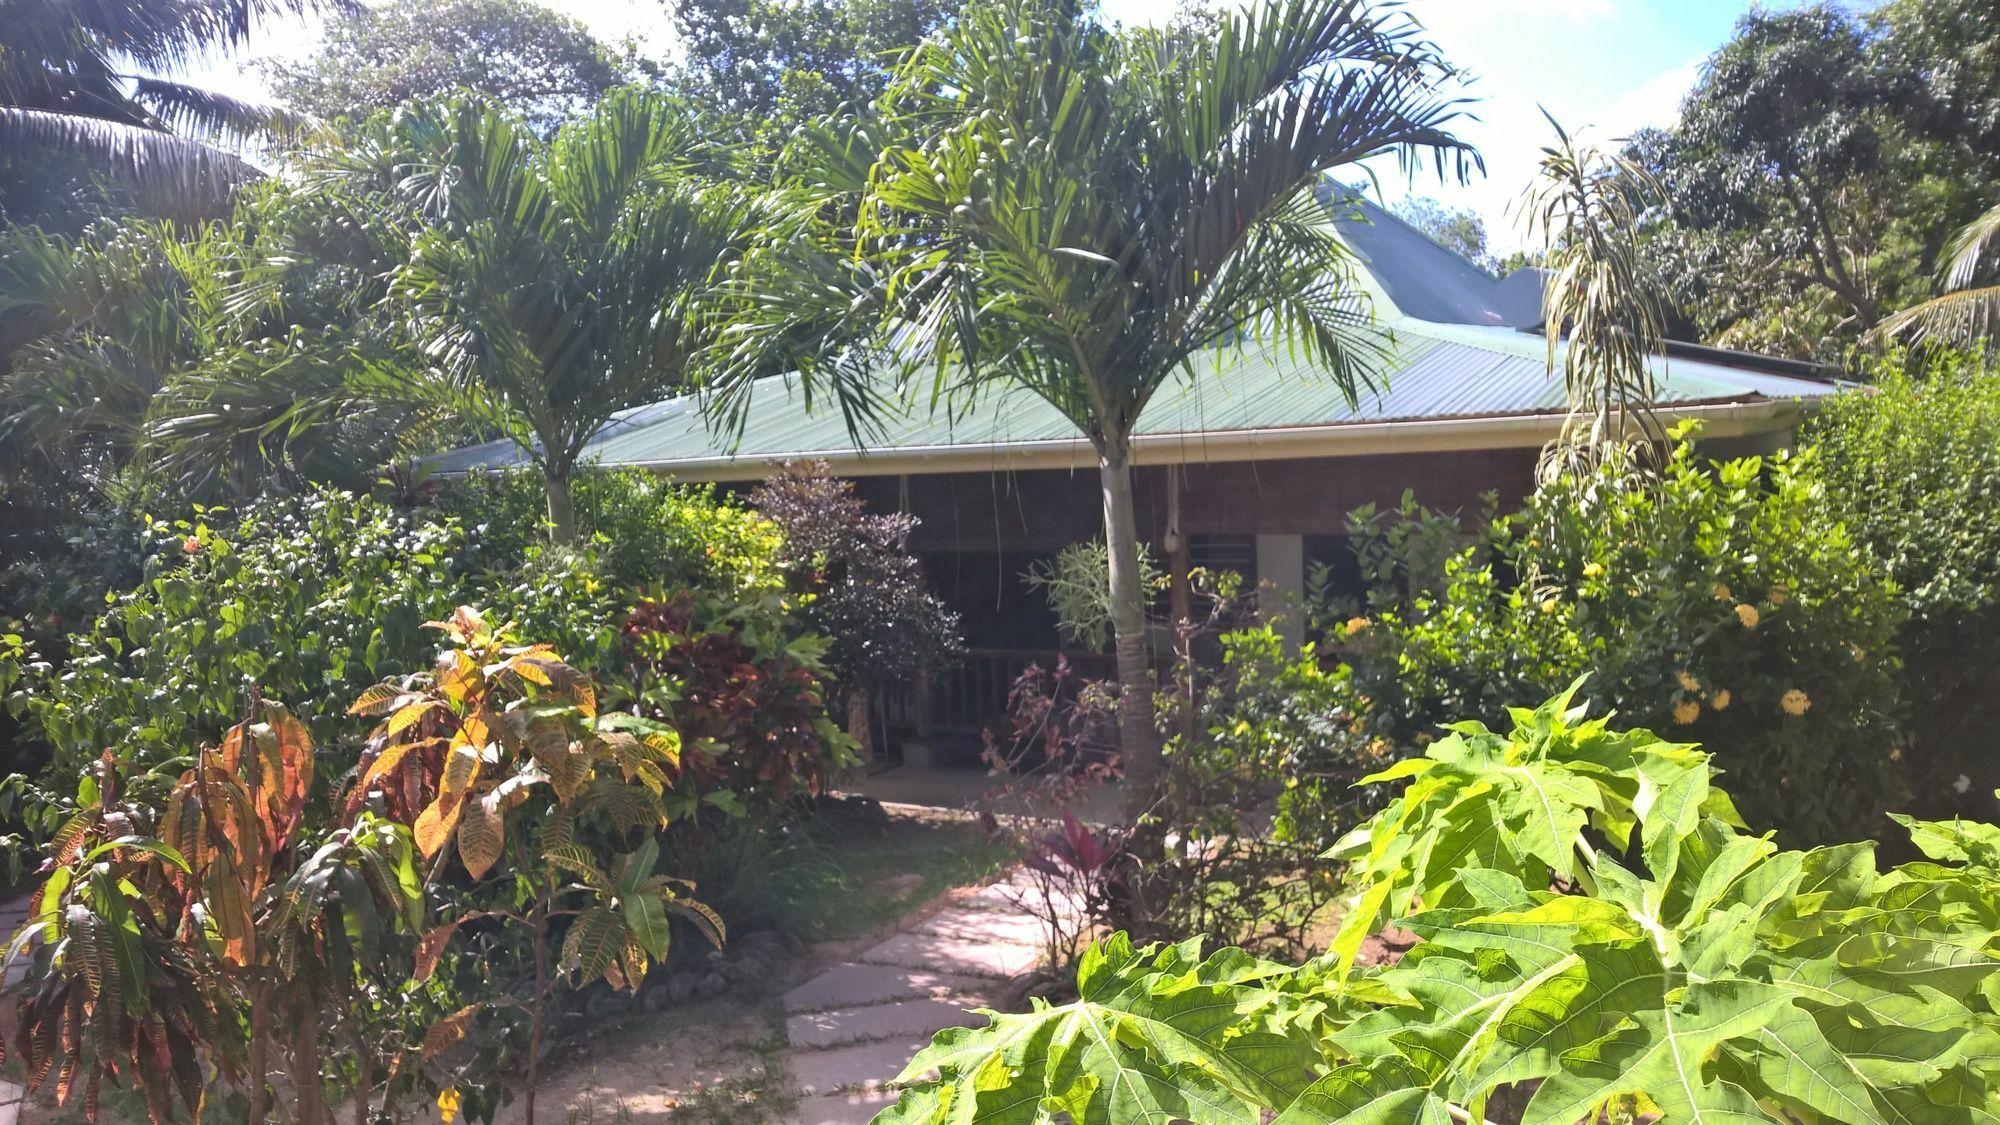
(1820, 166)
(522, 55)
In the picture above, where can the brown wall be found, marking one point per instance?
(1043, 511)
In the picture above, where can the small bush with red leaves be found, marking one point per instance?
(744, 691)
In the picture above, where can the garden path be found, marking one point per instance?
(852, 1027)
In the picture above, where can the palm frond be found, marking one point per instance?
(195, 113)
(1966, 314)
(1964, 318)
(193, 176)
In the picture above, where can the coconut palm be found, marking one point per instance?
(1090, 214)
(87, 79)
(550, 284)
(1967, 313)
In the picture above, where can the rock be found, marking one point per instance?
(606, 1003)
(655, 999)
(711, 986)
(770, 944)
(681, 987)
(752, 966)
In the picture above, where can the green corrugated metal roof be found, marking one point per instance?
(1478, 368)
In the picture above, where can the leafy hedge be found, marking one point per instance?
(1912, 468)
(1596, 934)
(1717, 601)
(310, 599)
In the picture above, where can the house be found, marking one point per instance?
(1268, 458)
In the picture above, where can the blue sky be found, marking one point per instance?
(1608, 66)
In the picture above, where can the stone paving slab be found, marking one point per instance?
(851, 985)
(967, 925)
(898, 1019)
(859, 1066)
(982, 957)
(857, 1108)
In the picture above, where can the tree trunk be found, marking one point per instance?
(1182, 612)
(540, 920)
(562, 505)
(858, 727)
(305, 1072)
(1138, 739)
(260, 1042)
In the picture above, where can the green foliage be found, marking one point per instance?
(1597, 936)
(647, 531)
(763, 66)
(1076, 582)
(1716, 600)
(308, 600)
(527, 57)
(1457, 229)
(1820, 165)
(1911, 466)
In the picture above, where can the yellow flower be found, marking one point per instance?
(1747, 614)
(1357, 624)
(1688, 683)
(1593, 570)
(1720, 700)
(1722, 593)
(448, 1103)
(1795, 702)
(1549, 606)
(1779, 594)
(1896, 754)
(1686, 711)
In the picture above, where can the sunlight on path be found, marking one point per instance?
(854, 1026)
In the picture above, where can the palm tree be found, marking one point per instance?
(1967, 313)
(85, 79)
(1090, 214)
(551, 284)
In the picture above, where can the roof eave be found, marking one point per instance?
(1723, 419)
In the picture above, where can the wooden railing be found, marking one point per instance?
(973, 694)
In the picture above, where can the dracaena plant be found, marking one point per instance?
(164, 953)
(500, 760)
(1599, 940)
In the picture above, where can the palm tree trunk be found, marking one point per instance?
(1139, 741)
(562, 504)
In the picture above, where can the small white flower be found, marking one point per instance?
(1962, 785)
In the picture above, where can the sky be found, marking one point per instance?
(1606, 67)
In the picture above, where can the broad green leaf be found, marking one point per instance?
(1661, 1053)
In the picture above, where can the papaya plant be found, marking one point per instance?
(1598, 939)
(499, 759)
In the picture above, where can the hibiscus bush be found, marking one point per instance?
(1715, 601)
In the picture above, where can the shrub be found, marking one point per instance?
(305, 599)
(1716, 601)
(1911, 466)
(1599, 939)
(744, 693)
(650, 533)
(860, 585)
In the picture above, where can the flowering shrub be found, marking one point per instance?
(1716, 602)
